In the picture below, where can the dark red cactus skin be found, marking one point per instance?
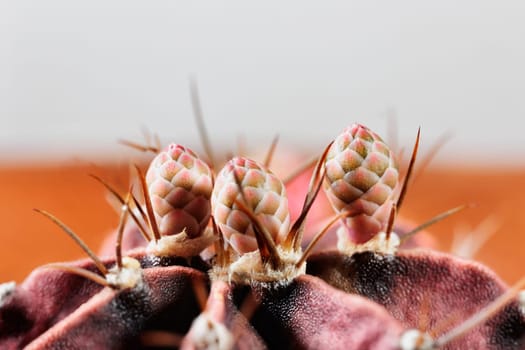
(308, 314)
(221, 310)
(43, 299)
(375, 298)
(305, 314)
(60, 310)
(453, 288)
(115, 319)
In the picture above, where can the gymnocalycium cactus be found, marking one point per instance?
(258, 285)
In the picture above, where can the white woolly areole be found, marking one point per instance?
(129, 276)
(210, 335)
(521, 299)
(181, 245)
(6, 289)
(248, 269)
(378, 244)
(416, 340)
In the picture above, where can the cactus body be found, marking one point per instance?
(340, 300)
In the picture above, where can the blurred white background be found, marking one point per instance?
(75, 76)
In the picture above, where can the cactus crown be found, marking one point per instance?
(255, 243)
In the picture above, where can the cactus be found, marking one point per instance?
(248, 277)
(361, 177)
